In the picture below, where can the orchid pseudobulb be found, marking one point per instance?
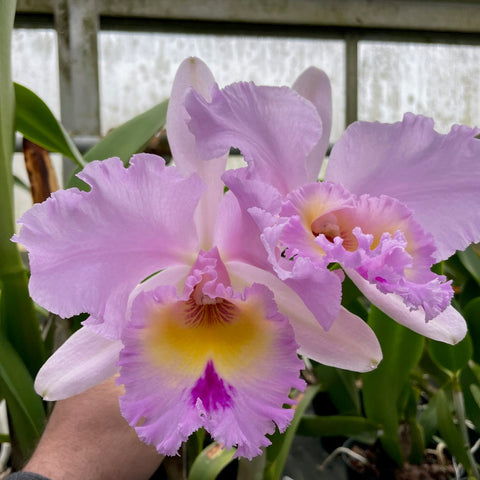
(396, 199)
(183, 302)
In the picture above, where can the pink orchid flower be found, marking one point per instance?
(396, 199)
(183, 302)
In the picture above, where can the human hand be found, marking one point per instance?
(87, 438)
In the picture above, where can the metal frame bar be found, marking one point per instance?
(432, 15)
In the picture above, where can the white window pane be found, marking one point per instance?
(137, 70)
(439, 81)
(35, 64)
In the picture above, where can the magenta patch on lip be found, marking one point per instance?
(212, 391)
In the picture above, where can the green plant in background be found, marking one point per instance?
(423, 395)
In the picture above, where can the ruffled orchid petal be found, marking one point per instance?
(275, 128)
(314, 85)
(88, 250)
(349, 344)
(83, 361)
(193, 73)
(448, 327)
(435, 175)
(193, 363)
(387, 266)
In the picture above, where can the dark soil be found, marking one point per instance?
(381, 467)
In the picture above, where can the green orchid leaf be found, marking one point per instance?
(470, 386)
(17, 181)
(449, 431)
(471, 312)
(451, 357)
(335, 425)
(211, 461)
(35, 121)
(18, 320)
(475, 390)
(471, 261)
(341, 388)
(427, 418)
(24, 405)
(277, 452)
(127, 139)
(382, 388)
(417, 441)
(17, 317)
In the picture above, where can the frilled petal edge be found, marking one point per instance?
(227, 366)
(274, 127)
(435, 175)
(448, 327)
(88, 250)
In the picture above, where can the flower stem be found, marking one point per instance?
(459, 407)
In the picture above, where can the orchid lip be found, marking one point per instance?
(376, 236)
(202, 356)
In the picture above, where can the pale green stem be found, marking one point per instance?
(459, 407)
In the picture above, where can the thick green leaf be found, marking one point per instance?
(24, 405)
(470, 384)
(471, 261)
(210, 462)
(402, 350)
(428, 421)
(475, 390)
(18, 320)
(35, 121)
(451, 357)
(448, 430)
(417, 442)
(471, 312)
(9, 259)
(341, 388)
(17, 316)
(127, 139)
(335, 425)
(277, 452)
